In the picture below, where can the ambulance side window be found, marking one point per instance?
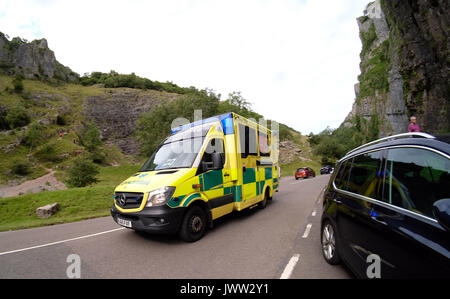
(248, 141)
(264, 144)
(215, 145)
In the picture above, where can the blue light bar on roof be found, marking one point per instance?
(226, 120)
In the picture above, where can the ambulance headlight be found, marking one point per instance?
(160, 196)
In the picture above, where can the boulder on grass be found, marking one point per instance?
(47, 211)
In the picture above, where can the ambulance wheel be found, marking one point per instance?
(194, 225)
(263, 204)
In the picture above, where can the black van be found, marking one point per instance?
(387, 205)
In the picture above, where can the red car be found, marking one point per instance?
(304, 172)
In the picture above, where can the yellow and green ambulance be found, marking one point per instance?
(203, 171)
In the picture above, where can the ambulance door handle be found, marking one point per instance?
(226, 174)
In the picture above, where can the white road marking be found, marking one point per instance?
(314, 213)
(59, 242)
(307, 230)
(290, 267)
(297, 182)
(320, 197)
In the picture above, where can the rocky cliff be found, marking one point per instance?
(33, 60)
(405, 67)
(116, 113)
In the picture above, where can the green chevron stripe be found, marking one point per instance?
(212, 180)
(190, 198)
(175, 201)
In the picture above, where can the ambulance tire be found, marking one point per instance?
(263, 204)
(194, 224)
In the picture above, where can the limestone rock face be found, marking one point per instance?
(32, 60)
(404, 67)
(422, 29)
(116, 114)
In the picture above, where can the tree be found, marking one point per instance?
(235, 98)
(17, 83)
(90, 137)
(83, 172)
(332, 145)
(155, 125)
(33, 135)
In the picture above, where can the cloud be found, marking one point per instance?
(297, 61)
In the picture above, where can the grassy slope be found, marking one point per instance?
(39, 109)
(76, 203)
(67, 95)
(288, 169)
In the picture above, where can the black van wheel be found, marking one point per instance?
(194, 224)
(329, 243)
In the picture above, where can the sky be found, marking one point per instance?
(296, 61)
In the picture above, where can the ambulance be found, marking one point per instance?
(202, 171)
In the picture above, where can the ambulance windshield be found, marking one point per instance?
(178, 151)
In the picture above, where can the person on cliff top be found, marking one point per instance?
(413, 127)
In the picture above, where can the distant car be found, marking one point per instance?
(326, 169)
(304, 172)
(389, 201)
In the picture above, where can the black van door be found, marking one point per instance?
(408, 237)
(357, 183)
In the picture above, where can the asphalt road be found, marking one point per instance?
(281, 241)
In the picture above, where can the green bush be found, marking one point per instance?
(4, 125)
(114, 80)
(82, 172)
(33, 136)
(17, 117)
(98, 157)
(21, 167)
(47, 153)
(367, 39)
(90, 137)
(18, 84)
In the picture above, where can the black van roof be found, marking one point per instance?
(440, 143)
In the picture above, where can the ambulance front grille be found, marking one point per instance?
(129, 200)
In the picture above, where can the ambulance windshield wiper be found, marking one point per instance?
(153, 169)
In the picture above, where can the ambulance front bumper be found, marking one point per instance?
(161, 219)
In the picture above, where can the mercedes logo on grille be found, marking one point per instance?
(122, 199)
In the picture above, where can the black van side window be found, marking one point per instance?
(365, 174)
(342, 176)
(416, 178)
